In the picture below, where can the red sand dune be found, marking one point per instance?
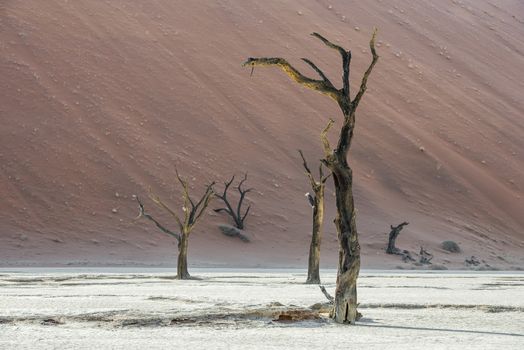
(102, 99)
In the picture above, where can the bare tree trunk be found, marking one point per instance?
(345, 306)
(313, 271)
(182, 273)
(345, 309)
(317, 203)
(393, 234)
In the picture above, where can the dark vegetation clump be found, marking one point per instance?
(451, 247)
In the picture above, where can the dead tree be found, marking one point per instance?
(236, 214)
(192, 213)
(395, 231)
(425, 256)
(317, 203)
(345, 306)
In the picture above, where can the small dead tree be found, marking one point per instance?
(345, 306)
(425, 256)
(192, 213)
(236, 214)
(317, 203)
(393, 234)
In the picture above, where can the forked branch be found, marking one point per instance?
(346, 60)
(314, 183)
(192, 211)
(164, 206)
(323, 86)
(319, 71)
(236, 214)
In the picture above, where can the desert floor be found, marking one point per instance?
(229, 309)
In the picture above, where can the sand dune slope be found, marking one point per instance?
(101, 99)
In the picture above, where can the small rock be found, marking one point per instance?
(114, 210)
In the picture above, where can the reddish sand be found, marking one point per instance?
(101, 99)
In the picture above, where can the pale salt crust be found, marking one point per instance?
(125, 309)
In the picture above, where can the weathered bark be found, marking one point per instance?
(313, 269)
(313, 272)
(192, 213)
(345, 306)
(393, 234)
(237, 216)
(182, 273)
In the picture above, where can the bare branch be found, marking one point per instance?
(187, 199)
(227, 184)
(317, 85)
(164, 206)
(210, 186)
(308, 171)
(247, 212)
(319, 71)
(239, 187)
(149, 217)
(330, 44)
(328, 296)
(304, 162)
(199, 209)
(241, 200)
(346, 60)
(323, 137)
(363, 84)
(223, 196)
(324, 178)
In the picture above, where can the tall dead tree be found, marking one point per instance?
(236, 214)
(317, 203)
(393, 234)
(345, 306)
(192, 213)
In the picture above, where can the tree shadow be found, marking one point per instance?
(368, 324)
